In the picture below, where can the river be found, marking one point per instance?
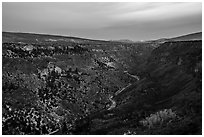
(113, 102)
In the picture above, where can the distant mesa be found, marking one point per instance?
(188, 37)
(193, 36)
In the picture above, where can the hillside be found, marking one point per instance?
(166, 100)
(66, 85)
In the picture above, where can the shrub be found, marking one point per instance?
(158, 118)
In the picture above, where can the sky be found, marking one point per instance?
(104, 20)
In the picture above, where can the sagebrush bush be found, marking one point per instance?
(158, 118)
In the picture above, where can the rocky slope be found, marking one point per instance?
(61, 82)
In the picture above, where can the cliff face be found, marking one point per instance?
(171, 80)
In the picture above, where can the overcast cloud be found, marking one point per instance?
(135, 21)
